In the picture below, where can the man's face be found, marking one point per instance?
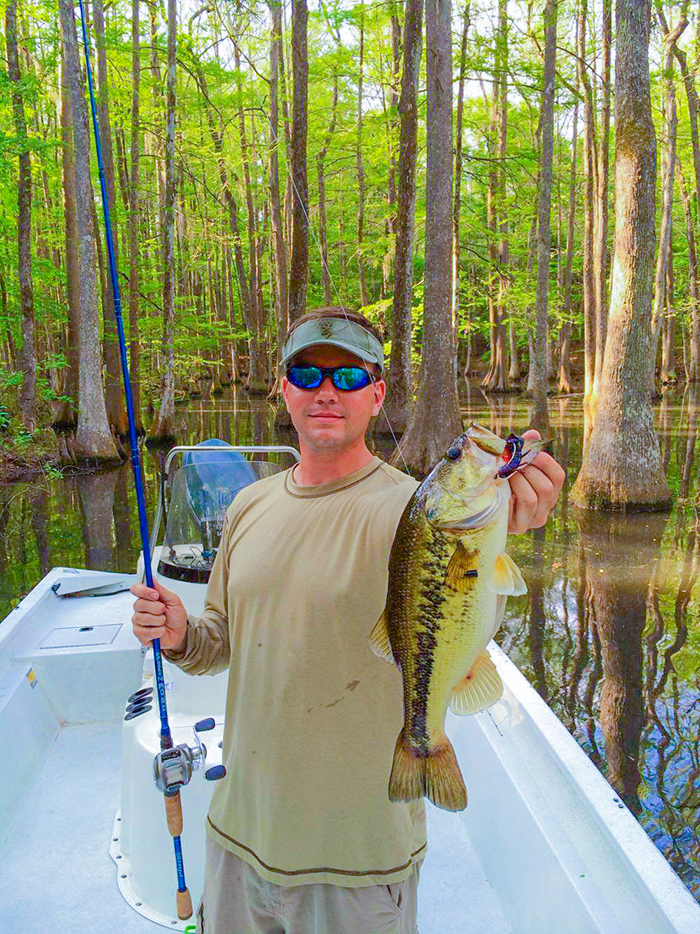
(328, 418)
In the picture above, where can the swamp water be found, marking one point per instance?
(609, 632)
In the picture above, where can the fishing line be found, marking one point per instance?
(166, 741)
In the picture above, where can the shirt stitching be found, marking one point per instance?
(328, 492)
(298, 872)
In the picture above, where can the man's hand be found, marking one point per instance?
(534, 491)
(158, 614)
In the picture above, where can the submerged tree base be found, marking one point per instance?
(600, 500)
(618, 492)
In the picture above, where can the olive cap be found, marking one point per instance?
(336, 332)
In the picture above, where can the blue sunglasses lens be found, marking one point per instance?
(305, 377)
(345, 378)
(350, 377)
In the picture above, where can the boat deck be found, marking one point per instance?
(57, 874)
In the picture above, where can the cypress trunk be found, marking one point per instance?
(623, 435)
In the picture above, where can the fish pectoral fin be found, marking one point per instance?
(461, 572)
(379, 640)
(507, 578)
(479, 689)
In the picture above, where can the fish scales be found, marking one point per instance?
(431, 666)
(448, 576)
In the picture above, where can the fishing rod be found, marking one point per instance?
(173, 766)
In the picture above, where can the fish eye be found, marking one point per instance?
(454, 454)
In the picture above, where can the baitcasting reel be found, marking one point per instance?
(173, 768)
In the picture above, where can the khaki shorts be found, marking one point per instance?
(239, 901)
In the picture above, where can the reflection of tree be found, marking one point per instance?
(125, 560)
(689, 576)
(672, 728)
(5, 502)
(580, 656)
(96, 492)
(538, 620)
(665, 426)
(691, 401)
(618, 589)
(40, 522)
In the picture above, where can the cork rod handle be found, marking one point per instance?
(173, 812)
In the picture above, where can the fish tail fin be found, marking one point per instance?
(444, 784)
(437, 776)
(407, 781)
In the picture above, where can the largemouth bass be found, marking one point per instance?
(449, 579)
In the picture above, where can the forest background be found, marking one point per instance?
(263, 159)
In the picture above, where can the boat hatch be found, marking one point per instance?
(200, 492)
(71, 637)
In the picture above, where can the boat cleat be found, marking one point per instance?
(173, 768)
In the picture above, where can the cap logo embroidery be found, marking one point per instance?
(326, 328)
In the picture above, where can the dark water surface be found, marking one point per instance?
(608, 632)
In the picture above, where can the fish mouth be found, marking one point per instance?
(518, 453)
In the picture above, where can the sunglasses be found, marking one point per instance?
(345, 378)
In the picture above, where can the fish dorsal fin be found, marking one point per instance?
(507, 578)
(461, 573)
(479, 689)
(379, 640)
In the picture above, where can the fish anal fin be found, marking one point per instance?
(479, 689)
(461, 573)
(379, 640)
(507, 578)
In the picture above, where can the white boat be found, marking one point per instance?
(545, 846)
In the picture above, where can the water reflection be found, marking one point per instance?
(608, 633)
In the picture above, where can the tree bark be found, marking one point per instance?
(393, 130)
(164, 425)
(364, 296)
(322, 219)
(93, 439)
(232, 207)
(540, 413)
(135, 216)
(27, 356)
(671, 126)
(399, 397)
(257, 381)
(623, 436)
(496, 378)
(589, 161)
(693, 280)
(458, 174)
(565, 342)
(299, 267)
(114, 392)
(66, 416)
(600, 248)
(279, 246)
(668, 365)
(436, 418)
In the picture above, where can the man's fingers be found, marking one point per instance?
(145, 592)
(146, 621)
(146, 606)
(524, 504)
(553, 471)
(545, 496)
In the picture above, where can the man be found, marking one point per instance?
(301, 835)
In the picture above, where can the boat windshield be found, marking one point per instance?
(200, 492)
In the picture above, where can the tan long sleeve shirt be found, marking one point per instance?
(312, 715)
